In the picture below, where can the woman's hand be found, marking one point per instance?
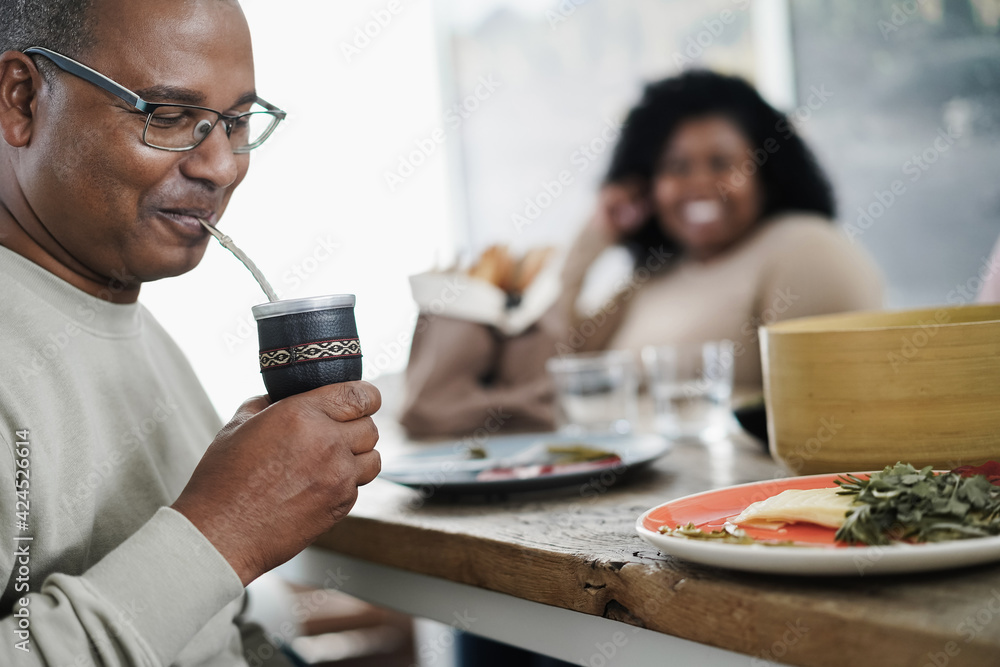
(621, 209)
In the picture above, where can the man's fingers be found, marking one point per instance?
(362, 434)
(369, 465)
(254, 405)
(346, 401)
(248, 409)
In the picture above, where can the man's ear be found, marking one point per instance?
(20, 82)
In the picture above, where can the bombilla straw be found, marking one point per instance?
(228, 244)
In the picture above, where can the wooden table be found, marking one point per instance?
(563, 573)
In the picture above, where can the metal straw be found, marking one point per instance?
(228, 244)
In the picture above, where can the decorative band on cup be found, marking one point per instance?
(324, 349)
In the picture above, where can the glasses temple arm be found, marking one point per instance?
(87, 74)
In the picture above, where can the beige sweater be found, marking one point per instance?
(791, 266)
(116, 422)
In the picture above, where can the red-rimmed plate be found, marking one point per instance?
(815, 551)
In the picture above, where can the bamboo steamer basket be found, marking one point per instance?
(860, 391)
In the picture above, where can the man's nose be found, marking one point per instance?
(213, 159)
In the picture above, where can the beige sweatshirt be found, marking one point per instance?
(115, 421)
(790, 266)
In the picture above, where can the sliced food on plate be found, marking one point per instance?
(825, 507)
(897, 504)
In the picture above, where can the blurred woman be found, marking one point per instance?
(728, 218)
(729, 221)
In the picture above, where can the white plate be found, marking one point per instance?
(818, 555)
(445, 468)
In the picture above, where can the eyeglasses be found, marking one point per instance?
(179, 127)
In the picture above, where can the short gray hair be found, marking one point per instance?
(61, 25)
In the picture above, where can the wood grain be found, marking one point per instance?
(860, 391)
(577, 549)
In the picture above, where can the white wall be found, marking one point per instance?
(320, 181)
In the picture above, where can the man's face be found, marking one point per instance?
(112, 206)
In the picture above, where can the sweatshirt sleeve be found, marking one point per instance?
(585, 332)
(138, 606)
(589, 244)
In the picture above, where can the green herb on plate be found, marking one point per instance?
(901, 503)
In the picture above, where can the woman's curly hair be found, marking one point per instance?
(790, 177)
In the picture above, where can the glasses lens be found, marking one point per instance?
(178, 127)
(251, 129)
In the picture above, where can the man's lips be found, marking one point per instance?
(187, 219)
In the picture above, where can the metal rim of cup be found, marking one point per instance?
(304, 305)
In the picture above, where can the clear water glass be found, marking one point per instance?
(596, 393)
(692, 387)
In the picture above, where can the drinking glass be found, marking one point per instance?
(596, 393)
(692, 387)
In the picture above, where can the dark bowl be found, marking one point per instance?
(753, 418)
